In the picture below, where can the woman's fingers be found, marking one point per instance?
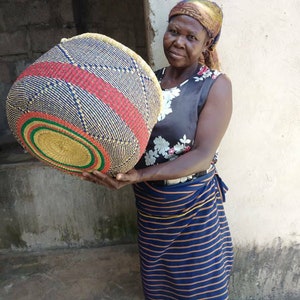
(103, 179)
(131, 176)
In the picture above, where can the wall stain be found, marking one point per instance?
(271, 272)
(68, 234)
(14, 236)
(117, 228)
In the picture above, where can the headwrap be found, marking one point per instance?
(210, 16)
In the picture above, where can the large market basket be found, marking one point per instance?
(89, 103)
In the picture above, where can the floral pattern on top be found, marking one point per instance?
(169, 95)
(206, 72)
(162, 147)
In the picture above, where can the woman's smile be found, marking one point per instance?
(175, 54)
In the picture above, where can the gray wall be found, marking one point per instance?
(41, 207)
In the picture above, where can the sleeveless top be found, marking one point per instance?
(176, 126)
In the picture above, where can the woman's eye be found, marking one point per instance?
(172, 31)
(191, 38)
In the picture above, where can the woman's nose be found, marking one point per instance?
(179, 41)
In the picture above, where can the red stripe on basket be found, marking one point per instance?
(99, 88)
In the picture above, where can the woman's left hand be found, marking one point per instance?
(112, 183)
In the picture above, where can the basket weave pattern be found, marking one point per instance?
(88, 103)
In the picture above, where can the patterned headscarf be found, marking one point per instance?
(210, 16)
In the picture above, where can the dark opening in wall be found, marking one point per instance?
(80, 12)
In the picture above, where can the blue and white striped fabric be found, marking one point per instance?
(184, 240)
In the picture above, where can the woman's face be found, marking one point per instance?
(184, 41)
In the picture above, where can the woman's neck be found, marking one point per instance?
(175, 76)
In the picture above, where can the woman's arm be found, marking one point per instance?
(212, 125)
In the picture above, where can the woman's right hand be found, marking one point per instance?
(113, 183)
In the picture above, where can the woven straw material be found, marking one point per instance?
(89, 103)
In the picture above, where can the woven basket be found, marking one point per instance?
(89, 103)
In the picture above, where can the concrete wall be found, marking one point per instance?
(41, 207)
(259, 156)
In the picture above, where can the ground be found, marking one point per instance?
(86, 274)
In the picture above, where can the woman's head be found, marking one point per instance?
(210, 16)
(185, 40)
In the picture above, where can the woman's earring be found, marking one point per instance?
(205, 53)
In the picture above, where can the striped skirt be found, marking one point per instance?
(184, 240)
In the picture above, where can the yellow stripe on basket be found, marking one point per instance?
(62, 148)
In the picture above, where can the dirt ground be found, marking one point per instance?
(86, 274)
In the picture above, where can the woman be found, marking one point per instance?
(184, 240)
